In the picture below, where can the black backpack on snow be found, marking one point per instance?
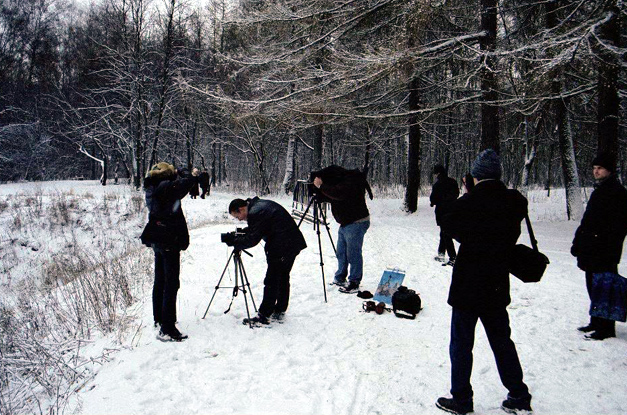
(406, 300)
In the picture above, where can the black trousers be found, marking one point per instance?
(166, 286)
(276, 292)
(496, 325)
(446, 244)
(600, 324)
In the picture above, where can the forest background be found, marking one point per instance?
(260, 93)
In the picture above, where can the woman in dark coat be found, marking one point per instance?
(167, 234)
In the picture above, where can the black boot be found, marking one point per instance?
(586, 329)
(454, 407)
(513, 406)
(601, 335)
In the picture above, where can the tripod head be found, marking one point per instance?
(237, 252)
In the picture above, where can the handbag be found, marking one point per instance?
(608, 296)
(408, 301)
(158, 231)
(528, 264)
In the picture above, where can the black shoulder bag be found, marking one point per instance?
(528, 264)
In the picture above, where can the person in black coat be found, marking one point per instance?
(346, 190)
(203, 181)
(194, 192)
(269, 221)
(598, 242)
(165, 187)
(486, 222)
(444, 190)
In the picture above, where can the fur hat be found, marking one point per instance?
(487, 165)
(605, 160)
(162, 170)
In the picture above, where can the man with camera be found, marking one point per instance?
(486, 222)
(269, 221)
(167, 234)
(345, 189)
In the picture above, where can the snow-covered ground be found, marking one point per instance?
(332, 358)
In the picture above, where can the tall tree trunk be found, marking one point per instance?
(413, 156)
(318, 141)
(531, 150)
(489, 110)
(214, 158)
(608, 67)
(574, 204)
(288, 179)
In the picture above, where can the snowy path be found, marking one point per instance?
(334, 359)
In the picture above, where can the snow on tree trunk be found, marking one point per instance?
(288, 179)
(574, 203)
(531, 150)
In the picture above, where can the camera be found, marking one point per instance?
(313, 190)
(230, 237)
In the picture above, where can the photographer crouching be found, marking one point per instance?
(167, 234)
(269, 221)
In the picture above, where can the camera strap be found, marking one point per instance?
(235, 290)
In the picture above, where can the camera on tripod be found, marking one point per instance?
(313, 190)
(229, 237)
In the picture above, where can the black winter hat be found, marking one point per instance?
(605, 160)
(487, 165)
(439, 169)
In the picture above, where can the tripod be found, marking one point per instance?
(240, 276)
(319, 217)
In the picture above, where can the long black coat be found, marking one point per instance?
(444, 190)
(163, 199)
(598, 242)
(269, 221)
(486, 222)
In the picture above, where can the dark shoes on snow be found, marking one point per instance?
(516, 406)
(277, 316)
(597, 333)
(600, 335)
(450, 263)
(453, 406)
(586, 329)
(171, 335)
(509, 405)
(338, 283)
(256, 321)
(351, 288)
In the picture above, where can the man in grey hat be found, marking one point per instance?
(598, 242)
(486, 222)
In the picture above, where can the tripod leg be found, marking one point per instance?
(218, 285)
(324, 284)
(239, 270)
(311, 200)
(326, 225)
(246, 283)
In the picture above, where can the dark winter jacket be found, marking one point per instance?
(598, 242)
(347, 195)
(203, 180)
(269, 221)
(486, 222)
(444, 190)
(163, 199)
